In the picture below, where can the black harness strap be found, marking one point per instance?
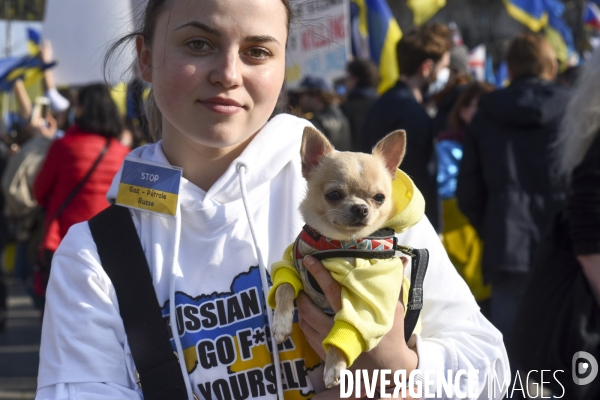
(125, 263)
(420, 260)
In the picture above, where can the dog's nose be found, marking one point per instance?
(360, 210)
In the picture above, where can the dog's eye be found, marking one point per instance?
(379, 198)
(334, 196)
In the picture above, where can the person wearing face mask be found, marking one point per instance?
(449, 85)
(316, 100)
(422, 54)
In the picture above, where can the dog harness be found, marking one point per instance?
(380, 244)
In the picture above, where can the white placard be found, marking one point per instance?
(319, 42)
(80, 32)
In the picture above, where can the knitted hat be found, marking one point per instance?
(459, 59)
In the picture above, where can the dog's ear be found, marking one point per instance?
(314, 146)
(391, 150)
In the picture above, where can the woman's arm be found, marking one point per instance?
(23, 101)
(83, 347)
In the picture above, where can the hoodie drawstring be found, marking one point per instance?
(172, 315)
(241, 169)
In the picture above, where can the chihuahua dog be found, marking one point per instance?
(349, 196)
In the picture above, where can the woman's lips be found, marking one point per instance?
(222, 105)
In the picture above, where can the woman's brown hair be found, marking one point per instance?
(531, 54)
(471, 92)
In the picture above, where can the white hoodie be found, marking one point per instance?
(208, 261)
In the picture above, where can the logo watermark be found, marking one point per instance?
(584, 372)
(462, 384)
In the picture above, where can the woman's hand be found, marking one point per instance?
(45, 126)
(391, 352)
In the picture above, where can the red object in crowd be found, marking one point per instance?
(68, 161)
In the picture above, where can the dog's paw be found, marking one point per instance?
(282, 326)
(334, 364)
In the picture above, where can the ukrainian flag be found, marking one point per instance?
(13, 68)
(375, 21)
(423, 10)
(558, 32)
(531, 13)
(33, 41)
(502, 78)
(490, 77)
(547, 15)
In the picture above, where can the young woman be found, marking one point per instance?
(216, 68)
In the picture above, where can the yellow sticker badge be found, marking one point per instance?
(149, 186)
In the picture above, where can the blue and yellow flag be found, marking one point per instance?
(560, 37)
(374, 22)
(531, 13)
(26, 68)
(502, 78)
(558, 33)
(33, 41)
(423, 10)
(490, 77)
(546, 15)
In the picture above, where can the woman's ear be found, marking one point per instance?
(144, 58)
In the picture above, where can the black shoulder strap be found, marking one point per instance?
(420, 260)
(124, 261)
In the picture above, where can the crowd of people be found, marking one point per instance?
(495, 165)
(58, 161)
(488, 160)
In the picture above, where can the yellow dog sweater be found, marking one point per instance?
(370, 287)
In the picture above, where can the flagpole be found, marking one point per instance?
(8, 28)
(8, 51)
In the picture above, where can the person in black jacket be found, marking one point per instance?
(421, 54)
(506, 186)
(361, 82)
(578, 149)
(316, 102)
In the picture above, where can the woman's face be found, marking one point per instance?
(216, 67)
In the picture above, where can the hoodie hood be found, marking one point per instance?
(409, 202)
(264, 157)
(529, 102)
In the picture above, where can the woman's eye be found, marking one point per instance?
(333, 196)
(198, 45)
(258, 53)
(379, 198)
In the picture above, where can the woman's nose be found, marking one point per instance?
(226, 70)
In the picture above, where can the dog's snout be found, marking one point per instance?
(360, 210)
